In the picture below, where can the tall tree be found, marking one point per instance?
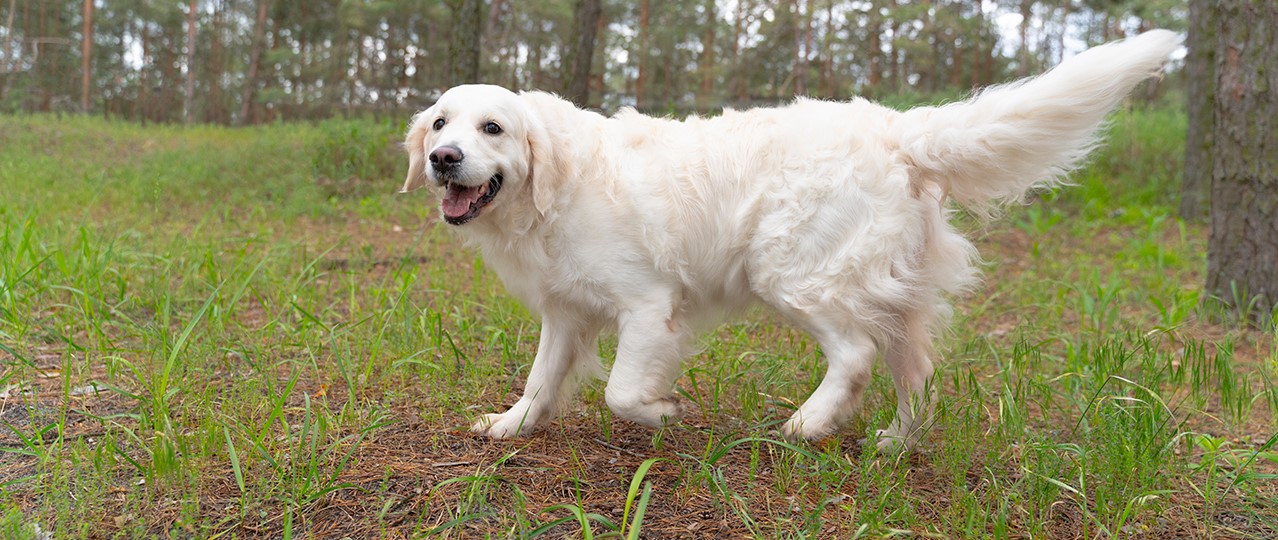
(641, 79)
(8, 68)
(738, 68)
(875, 51)
(581, 53)
(705, 64)
(802, 40)
(463, 49)
(188, 98)
(1199, 91)
(86, 54)
(1242, 252)
(1027, 13)
(255, 62)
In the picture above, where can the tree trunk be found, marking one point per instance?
(645, 13)
(738, 70)
(188, 99)
(1242, 253)
(894, 60)
(827, 53)
(802, 35)
(1200, 65)
(1027, 11)
(144, 86)
(576, 71)
(255, 63)
(8, 68)
(597, 86)
(86, 56)
(978, 46)
(215, 111)
(706, 63)
(876, 47)
(463, 48)
(1065, 10)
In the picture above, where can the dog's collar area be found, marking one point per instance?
(463, 203)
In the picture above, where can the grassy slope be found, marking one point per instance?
(243, 333)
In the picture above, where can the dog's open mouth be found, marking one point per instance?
(463, 203)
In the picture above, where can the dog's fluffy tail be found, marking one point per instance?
(995, 147)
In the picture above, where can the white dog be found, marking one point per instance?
(832, 213)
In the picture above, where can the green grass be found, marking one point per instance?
(245, 333)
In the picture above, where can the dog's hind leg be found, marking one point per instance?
(908, 357)
(651, 344)
(849, 354)
(568, 348)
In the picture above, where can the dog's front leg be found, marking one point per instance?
(651, 342)
(568, 347)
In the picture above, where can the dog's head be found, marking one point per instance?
(483, 147)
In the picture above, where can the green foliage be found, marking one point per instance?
(357, 158)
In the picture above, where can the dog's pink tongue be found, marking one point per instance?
(458, 200)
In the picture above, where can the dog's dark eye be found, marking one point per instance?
(439, 124)
(492, 128)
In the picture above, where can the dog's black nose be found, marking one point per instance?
(445, 157)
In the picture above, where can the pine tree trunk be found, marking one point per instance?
(1027, 11)
(144, 92)
(645, 13)
(876, 47)
(1199, 89)
(576, 77)
(216, 108)
(706, 62)
(827, 54)
(894, 57)
(255, 63)
(1242, 254)
(188, 98)
(739, 75)
(463, 48)
(802, 29)
(6, 71)
(86, 57)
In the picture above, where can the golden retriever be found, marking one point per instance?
(832, 213)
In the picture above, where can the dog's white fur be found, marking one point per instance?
(832, 213)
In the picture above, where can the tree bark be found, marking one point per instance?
(8, 37)
(463, 49)
(1242, 253)
(188, 99)
(86, 55)
(875, 30)
(894, 57)
(216, 111)
(706, 63)
(1027, 11)
(738, 70)
(645, 14)
(255, 63)
(144, 92)
(827, 53)
(802, 38)
(576, 71)
(1199, 89)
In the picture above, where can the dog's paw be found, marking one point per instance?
(654, 414)
(891, 441)
(503, 426)
(806, 428)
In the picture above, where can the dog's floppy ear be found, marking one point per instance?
(548, 166)
(414, 143)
